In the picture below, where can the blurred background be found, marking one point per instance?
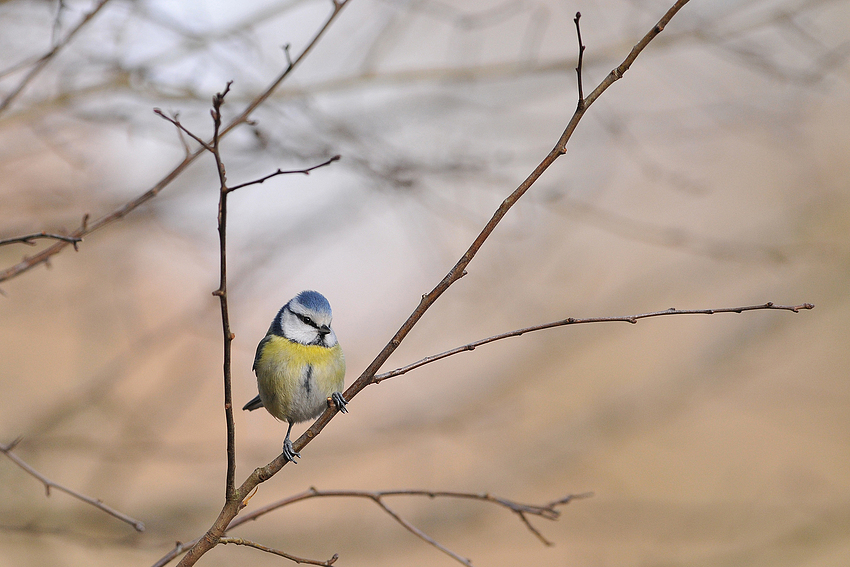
(715, 174)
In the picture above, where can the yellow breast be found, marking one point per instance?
(295, 380)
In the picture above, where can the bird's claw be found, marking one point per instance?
(339, 402)
(289, 451)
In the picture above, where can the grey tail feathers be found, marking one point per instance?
(256, 403)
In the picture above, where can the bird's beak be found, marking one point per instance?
(324, 330)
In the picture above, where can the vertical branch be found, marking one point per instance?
(221, 292)
(580, 60)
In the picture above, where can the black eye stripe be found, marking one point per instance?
(306, 320)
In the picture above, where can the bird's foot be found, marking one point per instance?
(289, 451)
(339, 402)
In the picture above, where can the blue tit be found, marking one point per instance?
(299, 364)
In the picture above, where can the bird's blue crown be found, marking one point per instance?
(314, 301)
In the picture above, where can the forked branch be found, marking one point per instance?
(548, 511)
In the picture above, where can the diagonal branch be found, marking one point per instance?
(180, 128)
(459, 270)
(48, 484)
(573, 321)
(420, 534)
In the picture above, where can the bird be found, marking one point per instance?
(299, 364)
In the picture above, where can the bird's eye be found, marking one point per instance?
(309, 321)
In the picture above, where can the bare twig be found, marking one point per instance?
(29, 239)
(179, 548)
(305, 171)
(420, 534)
(44, 256)
(42, 61)
(221, 293)
(580, 60)
(577, 321)
(48, 484)
(180, 128)
(249, 543)
(286, 47)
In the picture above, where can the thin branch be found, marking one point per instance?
(286, 47)
(42, 61)
(179, 548)
(580, 60)
(422, 535)
(221, 293)
(44, 256)
(574, 321)
(29, 239)
(181, 128)
(305, 171)
(249, 543)
(48, 484)
(57, 21)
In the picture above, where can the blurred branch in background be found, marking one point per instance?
(30, 238)
(48, 484)
(242, 117)
(41, 62)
